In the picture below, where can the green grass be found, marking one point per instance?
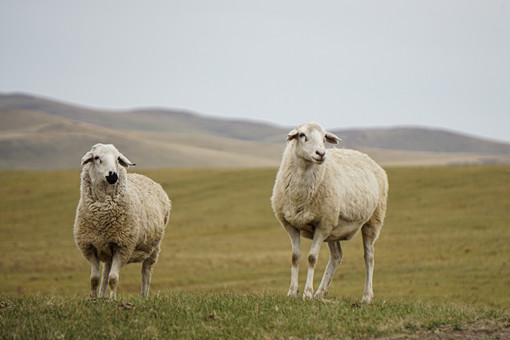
(224, 315)
(444, 247)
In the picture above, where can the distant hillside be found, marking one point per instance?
(157, 120)
(47, 143)
(420, 139)
(39, 133)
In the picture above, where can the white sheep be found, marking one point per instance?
(327, 196)
(120, 218)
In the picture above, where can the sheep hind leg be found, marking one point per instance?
(335, 258)
(318, 239)
(370, 234)
(107, 266)
(146, 278)
(147, 272)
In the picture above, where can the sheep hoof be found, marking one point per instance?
(367, 298)
(292, 293)
(320, 294)
(308, 294)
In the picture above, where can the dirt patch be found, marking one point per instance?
(486, 329)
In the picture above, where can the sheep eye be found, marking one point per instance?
(301, 135)
(97, 159)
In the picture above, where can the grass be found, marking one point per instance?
(224, 315)
(443, 249)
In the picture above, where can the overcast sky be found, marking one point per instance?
(342, 63)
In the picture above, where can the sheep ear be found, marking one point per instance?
(332, 139)
(88, 157)
(124, 161)
(292, 135)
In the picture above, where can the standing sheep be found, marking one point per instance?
(327, 199)
(120, 218)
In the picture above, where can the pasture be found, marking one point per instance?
(444, 246)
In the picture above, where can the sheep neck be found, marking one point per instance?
(100, 191)
(303, 180)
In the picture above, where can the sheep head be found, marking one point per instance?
(103, 163)
(308, 141)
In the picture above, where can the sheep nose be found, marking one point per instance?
(320, 153)
(112, 177)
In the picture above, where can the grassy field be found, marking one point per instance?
(444, 246)
(227, 315)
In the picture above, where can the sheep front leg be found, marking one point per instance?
(335, 258)
(295, 239)
(313, 255)
(94, 275)
(113, 278)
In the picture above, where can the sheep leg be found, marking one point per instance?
(147, 271)
(94, 275)
(107, 266)
(318, 239)
(368, 245)
(146, 277)
(335, 258)
(113, 278)
(295, 239)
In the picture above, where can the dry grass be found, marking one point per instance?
(445, 237)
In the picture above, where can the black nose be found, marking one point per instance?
(112, 177)
(320, 153)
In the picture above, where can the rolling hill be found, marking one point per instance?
(40, 133)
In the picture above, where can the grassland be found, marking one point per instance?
(226, 315)
(443, 250)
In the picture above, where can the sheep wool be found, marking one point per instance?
(327, 195)
(120, 218)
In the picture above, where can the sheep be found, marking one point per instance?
(120, 218)
(327, 199)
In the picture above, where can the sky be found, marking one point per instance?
(345, 64)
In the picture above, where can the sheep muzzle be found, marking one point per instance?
(320, 156)
(112, 177)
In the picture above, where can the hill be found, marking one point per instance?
(421, 139)
(154, 120)
(41, 133)
(38, 133)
